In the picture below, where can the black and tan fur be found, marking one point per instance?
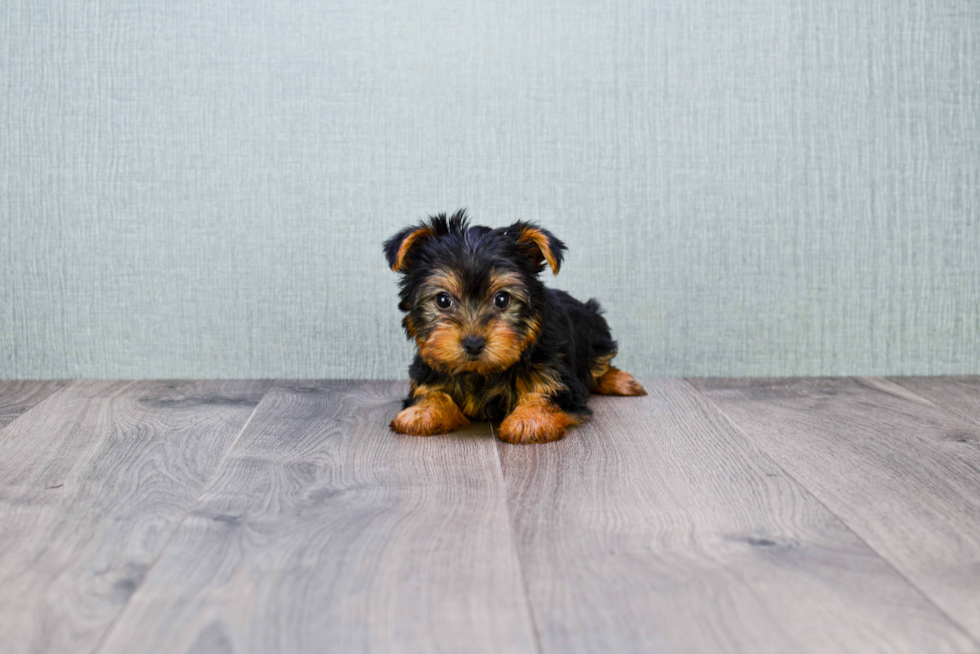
(494, 343)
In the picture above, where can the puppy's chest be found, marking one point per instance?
(483, 399)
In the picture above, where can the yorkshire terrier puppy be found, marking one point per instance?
(493, 342)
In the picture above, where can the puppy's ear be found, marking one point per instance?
(538, 245)
(398, 246)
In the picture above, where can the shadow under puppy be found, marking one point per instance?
(493, 342)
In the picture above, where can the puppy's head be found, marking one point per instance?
(472, 295)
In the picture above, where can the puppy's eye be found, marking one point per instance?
(501, 300)
(443, 301)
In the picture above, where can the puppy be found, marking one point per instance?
(493, 342)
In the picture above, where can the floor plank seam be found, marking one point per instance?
(738, 428)
(513, 543)
(115, 622)
(942, 407)
(52, 395)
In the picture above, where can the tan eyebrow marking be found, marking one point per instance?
(447, 281)
(502, 280)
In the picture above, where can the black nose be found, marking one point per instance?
(474, 345)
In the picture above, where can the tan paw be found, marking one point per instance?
(535, 423)
(429, 416)
(617, 382)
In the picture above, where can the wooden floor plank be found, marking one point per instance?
(16, 397)
(961, 395)
(93, 482)
(903, 473)
(322, 531)
(658, 527)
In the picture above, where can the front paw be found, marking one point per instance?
(535, 424)
(430, 416)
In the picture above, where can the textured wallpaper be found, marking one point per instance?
(757, 187)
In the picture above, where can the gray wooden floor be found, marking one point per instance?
(754, 515)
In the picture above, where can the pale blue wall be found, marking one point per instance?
(200, 189)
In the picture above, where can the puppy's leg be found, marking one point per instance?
(433, 412)
(616, 382)
(536, 419)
